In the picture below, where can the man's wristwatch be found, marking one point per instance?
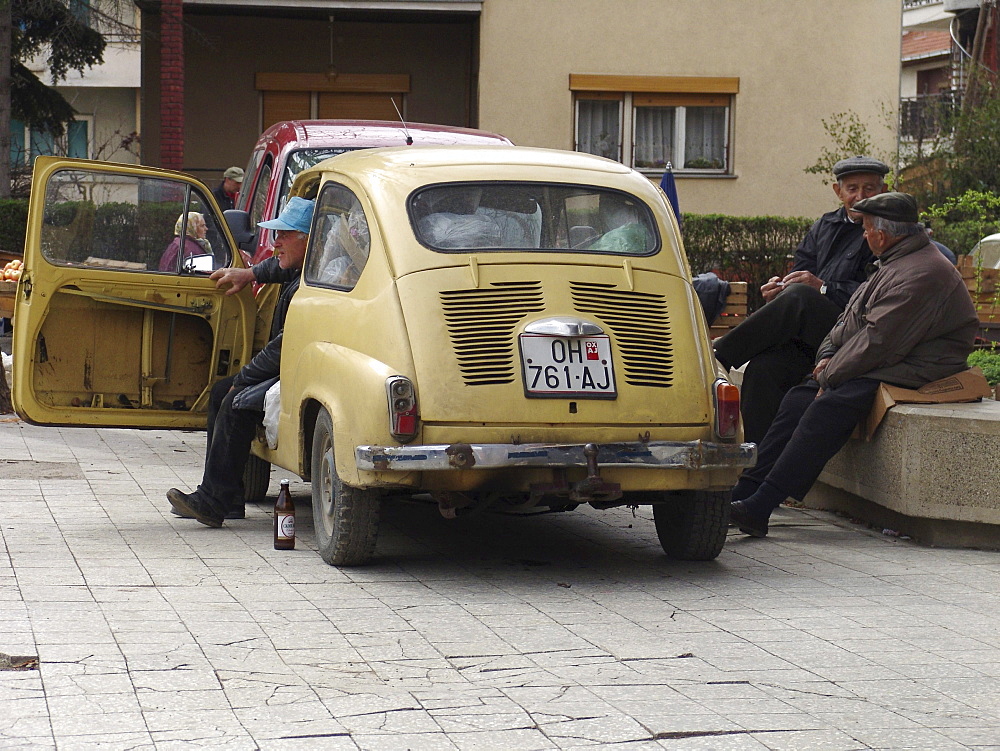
(822, 289)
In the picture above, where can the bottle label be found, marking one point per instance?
(286, 527)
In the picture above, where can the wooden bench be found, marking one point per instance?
(984, 286)
(734, 313)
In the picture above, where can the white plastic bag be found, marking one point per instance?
(272, 408)
(8, 367)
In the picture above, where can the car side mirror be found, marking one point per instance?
(239, 225)
(200, 264)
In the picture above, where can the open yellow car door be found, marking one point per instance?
(117, 322)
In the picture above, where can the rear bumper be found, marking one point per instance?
(688, 455)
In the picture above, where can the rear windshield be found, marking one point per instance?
(498, 216)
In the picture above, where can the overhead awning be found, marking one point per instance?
(930, 18)
(422, 6)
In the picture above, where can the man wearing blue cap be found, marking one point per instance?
(237, 403)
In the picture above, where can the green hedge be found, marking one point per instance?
(989, 361)
(962, 236)
(13, 221)
(750, 249)
(75, 230)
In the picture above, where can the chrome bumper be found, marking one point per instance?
(691, 455)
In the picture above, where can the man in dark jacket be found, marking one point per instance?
(236, 405)
(779, 340)
(911, 323)
(228, 190)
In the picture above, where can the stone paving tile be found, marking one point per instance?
(897, 739)
(563, 631)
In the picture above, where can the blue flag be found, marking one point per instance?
(669, 186)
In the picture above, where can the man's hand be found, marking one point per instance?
(820, 367)
(237, 279)
(770, 289)
(803, 277)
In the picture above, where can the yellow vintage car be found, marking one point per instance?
(486, 327)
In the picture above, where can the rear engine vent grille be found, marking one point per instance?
(481, 325)
(641, 325)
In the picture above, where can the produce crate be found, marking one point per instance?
(984, 287)
(8, 255)
(734, 313)
(7, 291)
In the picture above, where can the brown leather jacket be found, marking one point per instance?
(911, 323)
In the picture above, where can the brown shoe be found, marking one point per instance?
(236, 512)
(195, 506)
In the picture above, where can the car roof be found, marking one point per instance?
(455, 158)
(392, 174)
(356, 134)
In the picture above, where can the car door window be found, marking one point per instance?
(126, 222)
(257, 203)
(340, 242)
(242, 201)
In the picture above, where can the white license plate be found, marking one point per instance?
(567, 366)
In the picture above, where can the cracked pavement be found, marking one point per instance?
(559, 631)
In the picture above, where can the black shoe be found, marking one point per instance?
(233, 513)
(749, 524)
(195, 506)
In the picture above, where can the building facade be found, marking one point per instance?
(106, 97)
(731, 94)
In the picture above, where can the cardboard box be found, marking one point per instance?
(968, 386)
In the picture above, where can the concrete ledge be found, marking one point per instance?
(931, 471)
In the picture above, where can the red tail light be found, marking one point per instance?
(727, 409)
(403, 419)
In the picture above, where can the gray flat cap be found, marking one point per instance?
(859, 164)
(897, 207)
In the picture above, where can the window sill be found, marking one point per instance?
(687, 174)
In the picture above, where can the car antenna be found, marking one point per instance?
(409, 138)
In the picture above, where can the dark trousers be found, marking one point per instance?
(807, 431)
(779, 341)
(230, 433)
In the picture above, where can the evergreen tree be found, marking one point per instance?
(55, 30)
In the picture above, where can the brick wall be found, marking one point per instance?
(172, 84)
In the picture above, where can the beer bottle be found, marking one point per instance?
(284, 520)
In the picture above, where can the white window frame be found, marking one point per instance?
(627, 89)
(627, 119)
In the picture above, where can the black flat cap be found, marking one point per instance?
(859, 164)
(897, 207)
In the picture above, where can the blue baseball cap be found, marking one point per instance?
(297, 215)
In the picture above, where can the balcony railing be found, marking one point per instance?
(928, 115)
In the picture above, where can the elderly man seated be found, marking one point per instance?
(778, 342)
(236, 405)
(911, 323)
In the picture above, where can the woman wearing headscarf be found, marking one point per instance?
(195, 243)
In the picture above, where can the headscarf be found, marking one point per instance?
(194, 221)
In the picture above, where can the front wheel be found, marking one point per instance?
(256, 478)
(692, 524)
(345, 519)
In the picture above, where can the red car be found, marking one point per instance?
(287, 148)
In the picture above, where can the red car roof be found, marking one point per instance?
(373, 133)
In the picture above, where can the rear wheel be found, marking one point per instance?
(692, 524)
(256, 478)
(345, 519)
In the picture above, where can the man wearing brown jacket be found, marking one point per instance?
(911, 323)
